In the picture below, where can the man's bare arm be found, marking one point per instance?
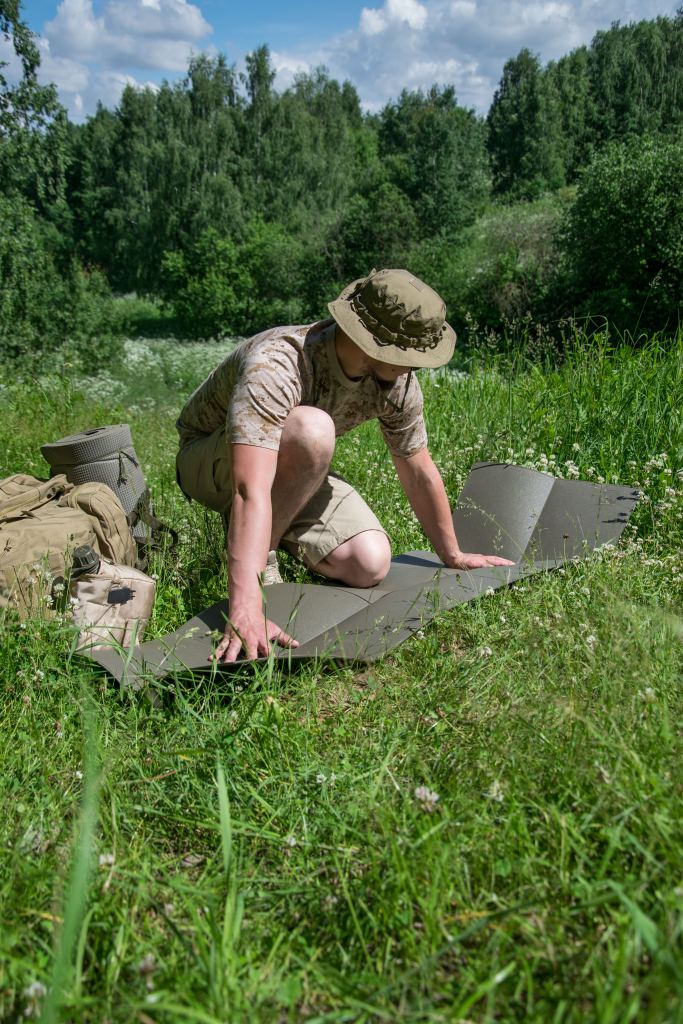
(426, 493)
(249, 534)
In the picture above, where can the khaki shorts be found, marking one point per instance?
(334, 514)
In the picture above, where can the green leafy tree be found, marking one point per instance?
(376, 229)
(220, 286)
(33, 129)
(524, 137)
(434, 152)
(569, 81)
(637, 78)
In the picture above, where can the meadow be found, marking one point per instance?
(485, 826)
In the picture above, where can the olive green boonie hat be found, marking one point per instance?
(396, 318)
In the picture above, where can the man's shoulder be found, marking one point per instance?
(290, 335)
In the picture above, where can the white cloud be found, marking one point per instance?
(408, 13)
(92, 57)
(155, 34)
(91, 52)
(403, 43)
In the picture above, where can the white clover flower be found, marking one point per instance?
(106, 860)
(591, 640)
(321, 778)
(489, 592)
(576, 447)
(427, 798)
(485, 651)
(503, 619)
(495, 792)
(36, 990)
(290, 841)
(649, 695)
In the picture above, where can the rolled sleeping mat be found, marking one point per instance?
(107, 455)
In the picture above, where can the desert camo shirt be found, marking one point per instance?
(258, 384)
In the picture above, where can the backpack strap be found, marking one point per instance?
(142, 513)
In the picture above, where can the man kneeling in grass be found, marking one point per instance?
(258, 436)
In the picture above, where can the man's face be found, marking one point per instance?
(387, 373)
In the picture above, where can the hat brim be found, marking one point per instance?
(351, 324)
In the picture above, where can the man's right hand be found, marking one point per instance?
(253, 634)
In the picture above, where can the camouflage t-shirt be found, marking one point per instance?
(259, 383)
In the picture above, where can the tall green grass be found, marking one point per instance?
(484, 827)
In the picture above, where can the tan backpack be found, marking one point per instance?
(42, 522)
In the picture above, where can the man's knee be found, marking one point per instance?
(308, 434)
(362, 561)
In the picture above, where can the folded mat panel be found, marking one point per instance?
(530, 517)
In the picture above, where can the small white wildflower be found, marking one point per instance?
(649, 695)
(78, 774)
(22, 625)
(586, 591)
(670, 492)
(529, 452)
(333, 779)
(106, 860)
(503, 619)
(155, 576)
(495, 792)
(147, 964)
(485, 651)
(58, 588)
(427, 798)
(489, 592)
(36, 990)
(591, 640)
(40, 674)
(321, 778)
(290, 841)
(576, 447)
(34, 993)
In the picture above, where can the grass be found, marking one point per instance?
(255, 850)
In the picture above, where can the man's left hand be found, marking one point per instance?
(466, 560)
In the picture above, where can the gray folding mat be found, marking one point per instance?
(534, 519)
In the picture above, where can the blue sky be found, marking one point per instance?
(92, 48)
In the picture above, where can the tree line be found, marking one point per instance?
(241, 206)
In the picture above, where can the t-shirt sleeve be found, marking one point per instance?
(405, 432)
(267, 387)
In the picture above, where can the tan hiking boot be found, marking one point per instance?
(271, 573)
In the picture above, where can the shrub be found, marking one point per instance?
(43, 310)
(623, 237)
(499, 270)
(220, 286)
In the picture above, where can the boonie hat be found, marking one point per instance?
(396, 318)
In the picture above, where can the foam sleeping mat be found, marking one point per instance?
(534, 519)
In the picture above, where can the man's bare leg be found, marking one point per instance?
(361, 561)
(306, 450)
(303, 462)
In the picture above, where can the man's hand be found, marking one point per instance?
(254, 634)
(466, 560)
(426, 493)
